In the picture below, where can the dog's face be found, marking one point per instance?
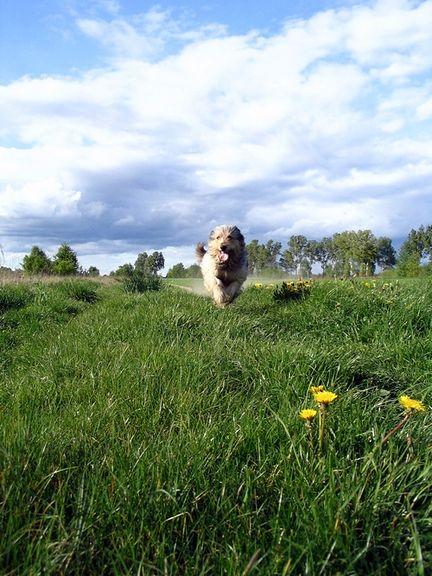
(226, 243)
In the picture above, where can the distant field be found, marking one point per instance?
(155, 434)
(196, 284)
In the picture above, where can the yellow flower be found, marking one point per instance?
(308, 414)
(258, 285)
(316, 389)
(325, 397)
(411, 404)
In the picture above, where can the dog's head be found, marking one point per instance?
(226, 244)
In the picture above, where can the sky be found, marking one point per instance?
(134, 126)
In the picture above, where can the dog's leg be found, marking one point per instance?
(233, 290)
(220, 295)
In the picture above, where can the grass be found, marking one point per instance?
(155, 434)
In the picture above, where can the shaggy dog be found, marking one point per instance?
(224, 265)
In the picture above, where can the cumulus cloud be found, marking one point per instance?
(318, 127)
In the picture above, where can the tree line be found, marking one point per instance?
(145, 264)
(65, 263)
(347, 253)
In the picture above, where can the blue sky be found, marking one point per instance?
(131, 126)
(42, 37)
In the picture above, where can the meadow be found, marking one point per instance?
(156, 434)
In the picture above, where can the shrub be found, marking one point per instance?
(138, 282)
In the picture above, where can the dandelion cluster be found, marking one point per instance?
(292, 290)
(325, 397)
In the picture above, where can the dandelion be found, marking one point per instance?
(316, 389)
(410, 404)
(324, 397)
(308, 414)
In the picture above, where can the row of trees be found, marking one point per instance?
(145, 264)
(180, 271)
(415, 255)
(64, 263)
(344, 253)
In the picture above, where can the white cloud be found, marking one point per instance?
(40, 198)
(318, 127)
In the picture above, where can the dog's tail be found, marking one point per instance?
(200, 251)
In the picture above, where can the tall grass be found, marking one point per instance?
(156, 434)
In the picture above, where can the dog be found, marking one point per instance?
(224, 265)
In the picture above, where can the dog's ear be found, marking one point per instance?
(239, 236)
(200, 251)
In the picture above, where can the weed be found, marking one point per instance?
(81, 290)
(294, 290)
(14, 296)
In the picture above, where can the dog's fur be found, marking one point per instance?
(224, 265)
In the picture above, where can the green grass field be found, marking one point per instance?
(157, 434)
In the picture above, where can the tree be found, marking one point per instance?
(365, 251)
(411, 253)
(146, 264)
(408, 265)
(37, 262)
(299, 246)
(427, 239)
(93, 271)
(141, 263)
(155, 262)
(272, 252)
(256, 256)
(323, 252)
(177, 271)
(287, 262)
(193, 271)
(386, 254)
(263, 256)
(65, 261)
(343, 244)
(125, 270)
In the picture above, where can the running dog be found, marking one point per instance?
(224, 264)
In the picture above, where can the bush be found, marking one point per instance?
(138, 282)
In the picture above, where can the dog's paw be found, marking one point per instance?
(221, 297)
